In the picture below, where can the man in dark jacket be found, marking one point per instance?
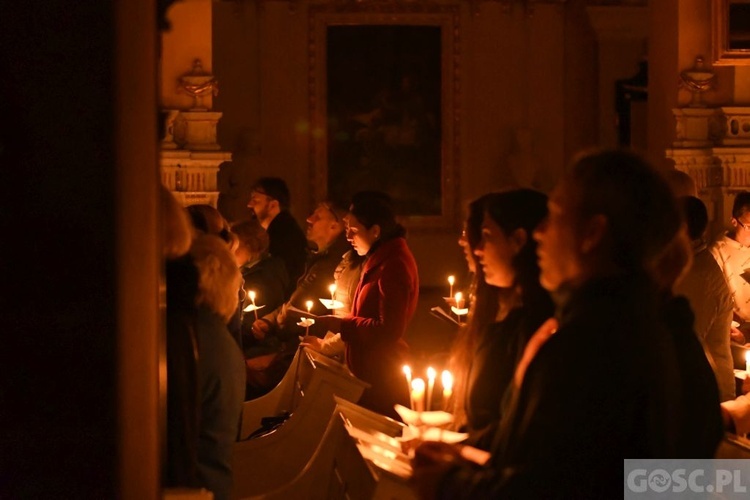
(325, 233)
(269, 200)
(614, 375)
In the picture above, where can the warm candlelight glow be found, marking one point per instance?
(447, 379)
(747, 361)
(332, 289)
(309, 305)
(459, 300)
(451, 281)
(417, 393)
(251, 294)
(407, 372)
(431, 374)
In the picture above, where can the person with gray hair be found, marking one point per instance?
(705, 288)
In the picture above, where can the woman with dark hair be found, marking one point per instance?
(508, 306)
(384, 303)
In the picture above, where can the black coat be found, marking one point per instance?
(287, 241)
(609, 385)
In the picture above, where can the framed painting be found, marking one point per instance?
(731, 32)
(383, 82)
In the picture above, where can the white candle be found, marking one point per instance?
(747, 361)
(407, 372)
(417, 393)
(332, 289)
(447, 379)
(431, 374)
(451, 280)
(309, 305)
(251, 294)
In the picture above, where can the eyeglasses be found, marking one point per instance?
(744, 226)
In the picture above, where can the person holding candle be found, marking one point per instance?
(325, 234)
(509, 305)
(262, 274)
(383, 304)
(607, 380)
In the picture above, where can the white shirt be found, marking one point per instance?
(734, 261)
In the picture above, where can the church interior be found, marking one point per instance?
(103, 101)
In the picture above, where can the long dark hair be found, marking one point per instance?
(510, 210)
(375, 207)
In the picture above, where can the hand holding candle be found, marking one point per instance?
(451, 281)
(431, 374)
(447, 379)
(417, 393)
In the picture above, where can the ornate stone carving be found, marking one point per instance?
(697, 80)
(198, 84)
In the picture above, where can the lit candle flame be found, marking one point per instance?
(407, 372)
(251, 294)
(417, 393)
(451, 281)
(459, 300)
(309, 305)
(447, 380)
(332, 288)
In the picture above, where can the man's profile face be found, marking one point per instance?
(322, 226)
(558, 251)
(741, 226)
(259, 203)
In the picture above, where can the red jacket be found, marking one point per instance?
(383, 305)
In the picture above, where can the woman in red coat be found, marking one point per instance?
(383, 304)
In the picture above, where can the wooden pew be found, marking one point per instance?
(318, 479)
(265, 463)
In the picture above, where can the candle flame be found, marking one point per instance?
(451, 280)
(417, 385)
(251, 294)
(431, 373)
(309, 305)
(332, 288)
(406, 370)
(447, 380)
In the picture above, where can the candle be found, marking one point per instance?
(747, 362)
(447, 379)
(451, 280)
(251, 294)
(417, 393)
(459, 304)
(407, 372)
(431, 374)
(309, 305)
(332, 289)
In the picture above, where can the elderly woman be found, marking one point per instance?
(384, 303)
(220, 374)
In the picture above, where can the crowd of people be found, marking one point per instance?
(599, 327)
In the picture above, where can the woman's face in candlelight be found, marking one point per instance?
(359, 236)
(463, 242)
(495, 253)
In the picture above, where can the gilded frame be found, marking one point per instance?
(390, 13)
(723, 53)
